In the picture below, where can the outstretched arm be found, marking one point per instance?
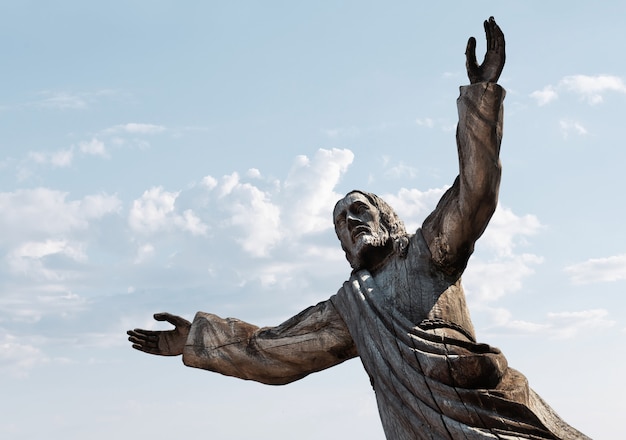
(313, 340)
(465, 209)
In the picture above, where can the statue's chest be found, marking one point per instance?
(410, 286)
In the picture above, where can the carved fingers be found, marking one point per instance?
(163, 343)
(176, 321)
(144, 340)
(493, 63)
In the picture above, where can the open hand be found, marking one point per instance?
(491, 68)
(163, 343)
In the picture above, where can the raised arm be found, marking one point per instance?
(465, 209)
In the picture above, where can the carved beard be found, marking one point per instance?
(364, 251)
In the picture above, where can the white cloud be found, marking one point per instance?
(568, 127)
(136, 128)
(497, 269)
(490, 280)
(29, 259)
(401, 171)
(155, 211)
(144, 252)
(150, 212)
(209, 182)
(38, 157)
(347, 132)
(33, 249)
(62, 100)
(94, 147)
(413, 205)
(545, 96)
(143, 128)
(17, 358)
(555, 325)
(425, 122)
(229, 182)
(569, 324)
(43, 212)
(590, 88)
(253, 173)
(60, 158)
(506, 230)
(252, 211)
(309, 195)
(282, 212)
(190, 222)
(598, 270)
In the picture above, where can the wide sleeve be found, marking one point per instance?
(465, 209)
(315, 339)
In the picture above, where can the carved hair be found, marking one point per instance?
(389, 221)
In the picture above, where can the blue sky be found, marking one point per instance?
(167, 156)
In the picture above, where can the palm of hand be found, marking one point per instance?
(163, 343)
(493, 63)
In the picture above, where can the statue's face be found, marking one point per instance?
(357, 224)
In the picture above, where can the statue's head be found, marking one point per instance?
(369, 230)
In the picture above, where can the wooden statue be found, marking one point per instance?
(403, 310)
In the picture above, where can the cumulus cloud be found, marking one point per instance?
(507, 230)
(545, 95)
(592, 88)
(155, 210)
(228, 183)
(490, 280)
(60, 158)
(498, 269)
(308, 191)
(413, 205)
(190, 222)
(209, 182)
(150, 212)
(253, 173)
(64, 157)
(43, 212)
(94, 147)
(567, 127)
(265, 212)
(589, 88)
(27, 258)
(253, 213)
(598, 270)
